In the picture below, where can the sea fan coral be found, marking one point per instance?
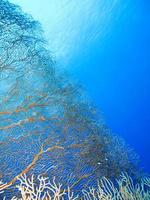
(45, 118)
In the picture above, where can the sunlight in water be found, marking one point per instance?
(67, 23)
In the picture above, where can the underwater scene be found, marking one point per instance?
(74, 100)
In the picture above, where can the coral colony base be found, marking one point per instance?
(49, 128)
(41, 188)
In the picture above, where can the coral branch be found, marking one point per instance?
(27, 120)
(31, 165)
(26, 108)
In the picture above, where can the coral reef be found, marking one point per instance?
(124, 188)
(47, 124)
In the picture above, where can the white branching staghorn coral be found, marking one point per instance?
(41, 188)
(44, 190)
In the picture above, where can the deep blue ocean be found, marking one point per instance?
(106, 46)
(117, 75)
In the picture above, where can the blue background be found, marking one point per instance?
(118, 79)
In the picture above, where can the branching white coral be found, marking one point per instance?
(41, 188)
(146, 181)
(125, 190)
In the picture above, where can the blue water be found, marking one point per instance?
(117, 76)
(108, 51)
